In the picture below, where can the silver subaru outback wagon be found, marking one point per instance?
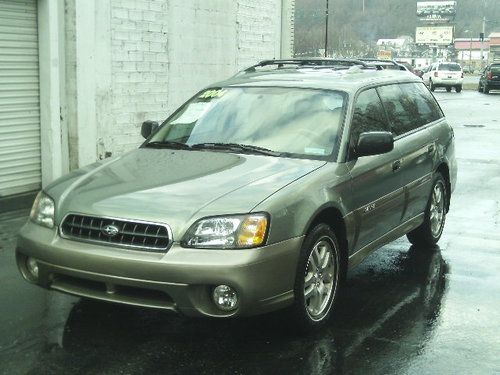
(255, 195)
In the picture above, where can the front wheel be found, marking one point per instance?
(479, 89)
(429, 232)
(317, 278)
(486, 89)
(458, 88)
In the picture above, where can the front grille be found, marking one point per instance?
(116, 232)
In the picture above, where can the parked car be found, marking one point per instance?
(257, 194)
(468, 69)
(419, 72)
(407, 65)
(444, 74)
(490, 78)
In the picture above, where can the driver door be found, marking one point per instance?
(377, 194)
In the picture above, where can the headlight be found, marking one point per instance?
(228, 232)
(42, 211)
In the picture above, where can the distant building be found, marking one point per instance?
(494, 46)
(398, 46)
(469, 51)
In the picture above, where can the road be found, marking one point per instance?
(403, 311)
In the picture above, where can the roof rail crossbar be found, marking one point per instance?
(310, 62)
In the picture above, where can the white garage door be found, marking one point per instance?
(20, 169)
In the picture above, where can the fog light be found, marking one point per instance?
(32, 267)
(225, 297)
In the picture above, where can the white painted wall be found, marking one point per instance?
(52, 99)
(132, 60)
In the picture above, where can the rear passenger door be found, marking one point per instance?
(376, 196)
(411, 108)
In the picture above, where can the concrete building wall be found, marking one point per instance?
(164, 52)
(112, 64)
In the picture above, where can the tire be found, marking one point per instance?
(486, 89)
(458, 88)
(448, 89)
(314, 298)
(431, 85)
(479, 89)
(430, 231)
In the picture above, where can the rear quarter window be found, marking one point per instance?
(450, 67)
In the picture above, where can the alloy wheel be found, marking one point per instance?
(437, 209)
(321, 278)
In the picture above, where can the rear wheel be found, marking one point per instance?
(429, 232)
(317, 278)
(431, 85)
(486, 89)
(448, 89)
(458, 88)
(479, 88)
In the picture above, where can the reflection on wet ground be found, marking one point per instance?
(387, 309)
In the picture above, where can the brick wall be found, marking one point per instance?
(259, 31)
(139, 68)
(163, 52)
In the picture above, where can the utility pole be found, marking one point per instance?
(326, 31)
(470, 53)
(482, 41)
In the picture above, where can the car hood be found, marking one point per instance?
(175, 186)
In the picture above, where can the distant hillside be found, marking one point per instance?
(352, 28)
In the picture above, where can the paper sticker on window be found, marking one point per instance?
(314, 151)
(192, 113)
(333, 102)
(211, 94)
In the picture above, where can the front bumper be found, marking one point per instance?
(180, 279)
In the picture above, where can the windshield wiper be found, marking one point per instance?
(168, 144)
(236, 147)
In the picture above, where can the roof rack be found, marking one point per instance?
(316, 63)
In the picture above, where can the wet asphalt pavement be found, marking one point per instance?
(403, 311)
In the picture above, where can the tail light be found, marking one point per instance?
(490, 75)
(436, 74)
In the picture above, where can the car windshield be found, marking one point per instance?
(450, 67)
(291, 121)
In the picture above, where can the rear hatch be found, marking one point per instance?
(495, 73)
(449, 71)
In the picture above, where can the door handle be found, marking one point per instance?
(396, 165)
(430, 149)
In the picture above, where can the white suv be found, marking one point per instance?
(444, 74)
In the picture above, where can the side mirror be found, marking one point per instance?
(148, 127)
(374, 143)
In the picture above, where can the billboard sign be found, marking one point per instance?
(436, 11)
(442, 35)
